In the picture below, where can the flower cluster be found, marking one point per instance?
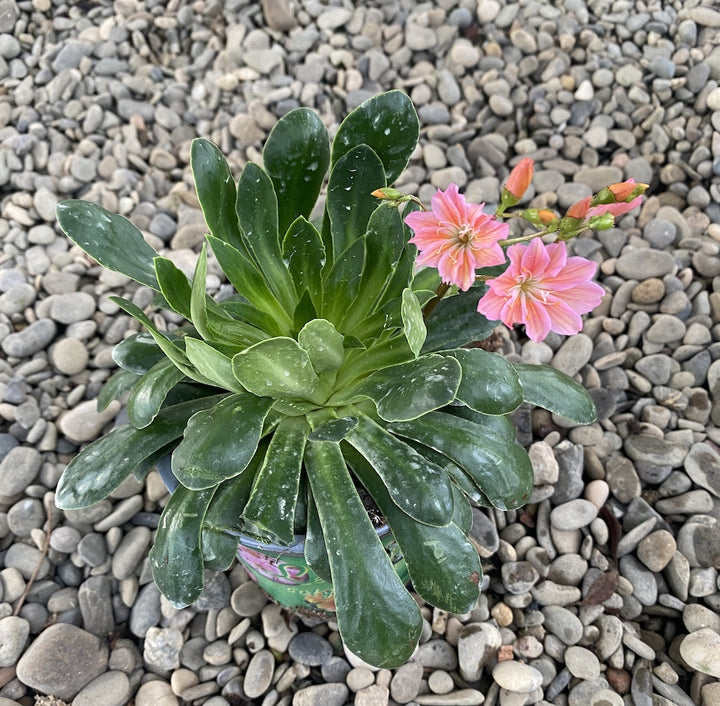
(541, 287)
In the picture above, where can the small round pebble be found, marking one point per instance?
(310, 648)
(517, 677)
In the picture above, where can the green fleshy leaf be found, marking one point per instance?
(168, 347)
(174, 285)
(342, 282)
(149, 392)
(211, 363)
(304, 311)
(419, 487)
(176, 558)
(444, 566)
(198, 295)
(271, 507)
(118, 384)
(110, 239)
(349, 198)
(278, 367)
(489, 383)
(377, 618)
(223, 518)
(324, 345)
(220, 442)
(216, 192)
(383, 247)
(304, 252)
(334, 429)
(456, 322)
(105, 463)
(409, 390)
(498, 465)
(296, 157)
(248, 314)
(413, 324)
(315, 549)
(228, 332)
(137, 353)
(257, 211)
(389, 124)
(557, 392)
(247, 280)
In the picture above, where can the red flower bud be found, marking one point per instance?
(520, 177)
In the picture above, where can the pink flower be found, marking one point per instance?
(544, 289)
(456, 237)
(520, 177)
(615, 209)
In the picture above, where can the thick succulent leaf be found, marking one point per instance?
(383, 246)
(223, 517)
(149, 392)
(333, 430)
(105, 463)
(248, 314)
(557, 392)
(409, 390)
(118, 384)
(110, 239)
(271, 507)
(198, 296)
(257, 212)
(323, 343)
(413, 323)
(443, 565)
(211, 363)
(342, 282)
(304, 252)
(216, 192)
(455, 321)
(176, 558)
(401, 278)
(462, 511)
(174, 285)
(228, 332)
(278, 367)
(377, 618)
(304, 311)
(220, 442)
(168, 347)
(247, 280)
(349, 198)
(419, 487)
(489, 383)
(137, 353)
(388, 123)
(296, 156)
(315, 549)
(498, 465)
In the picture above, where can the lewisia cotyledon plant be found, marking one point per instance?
(339, 362)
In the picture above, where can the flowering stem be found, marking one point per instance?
(440, 292)
(522, 238)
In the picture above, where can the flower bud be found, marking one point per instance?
(579, 209)
(388, 193)
(520, 177)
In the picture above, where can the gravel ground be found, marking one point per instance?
(603, 590)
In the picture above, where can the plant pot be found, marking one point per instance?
(282, 572)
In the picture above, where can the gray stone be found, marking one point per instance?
(95, 601)
(62, 660)
(702, 464)
(30, 340)
(436, 654)
(109, 689)
(574, 353)
(327, 694)
(518, 576)
(145, 612)
(14, 633)
(517, 677)
(643, 581)
(573, 514)
(69, 308)
(130, 552)
(258, 676)
(310, 648)
(162, 647)
(84, 423)
(247, 599)
(643, 263)
(18, 470)
(563, 624)
(477, 645)
(701, 651)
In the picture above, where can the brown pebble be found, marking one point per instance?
(618, 679)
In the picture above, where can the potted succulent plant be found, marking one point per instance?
(333, 385)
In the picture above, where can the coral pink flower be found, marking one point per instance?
(544, 289)
(520, 177)
(623, 190)
(616, 209)
(456, 237)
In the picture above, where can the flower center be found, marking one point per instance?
(464, 234)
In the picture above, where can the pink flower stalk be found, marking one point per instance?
(520, 177)
(456, 237)
(544, 289)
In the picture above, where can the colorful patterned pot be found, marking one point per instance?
(282, 572)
